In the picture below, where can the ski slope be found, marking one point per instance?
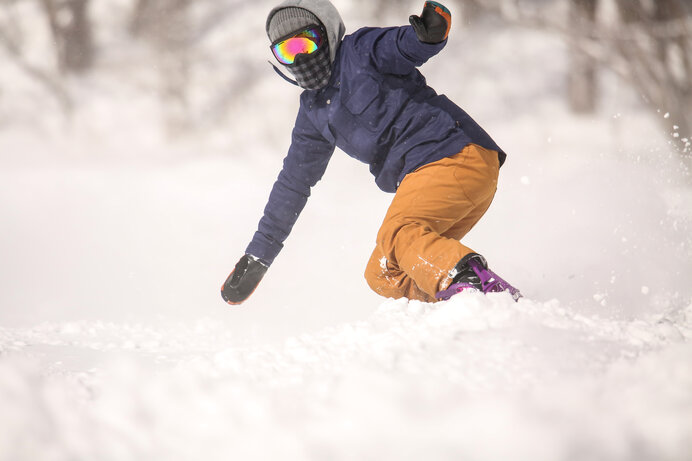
(472, 378)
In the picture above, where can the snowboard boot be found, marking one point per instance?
(472, 273)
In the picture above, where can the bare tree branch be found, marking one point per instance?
(50, 81)
(630, 50)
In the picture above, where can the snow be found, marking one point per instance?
(474, 377)
(115, 343)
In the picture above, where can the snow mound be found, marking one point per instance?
(475, 377)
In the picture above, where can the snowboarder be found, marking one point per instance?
(364, 94)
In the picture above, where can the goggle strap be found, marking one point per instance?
(282, 75)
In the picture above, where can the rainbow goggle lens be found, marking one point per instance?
(307, 41)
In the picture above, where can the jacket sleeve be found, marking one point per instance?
(303, 167)
(395, 50)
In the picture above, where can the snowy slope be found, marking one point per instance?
(472, 378)
(115, 344)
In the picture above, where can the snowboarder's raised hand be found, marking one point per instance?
(432, 26)
(243, 280)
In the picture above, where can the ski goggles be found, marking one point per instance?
(307, 41)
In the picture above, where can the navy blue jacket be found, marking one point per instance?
(378, 109)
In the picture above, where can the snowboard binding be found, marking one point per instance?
(472, 273)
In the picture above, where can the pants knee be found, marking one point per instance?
(380, 279)
(373, 272)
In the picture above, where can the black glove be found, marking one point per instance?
(243, 280)
(432, 26)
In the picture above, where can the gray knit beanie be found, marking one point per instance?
(288, 20)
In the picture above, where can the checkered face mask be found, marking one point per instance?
(306, 55)
(312, 71)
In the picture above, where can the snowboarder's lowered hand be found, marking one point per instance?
(243, 280)
(432, 26)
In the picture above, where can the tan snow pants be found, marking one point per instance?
(434, 207)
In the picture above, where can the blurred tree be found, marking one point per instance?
(13, 38)
(470, 10)
(649, 47)
(72, 33)
(656, 46)
(184, 37)
(167, 25)
(582, 86)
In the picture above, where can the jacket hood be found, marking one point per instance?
(326, 13)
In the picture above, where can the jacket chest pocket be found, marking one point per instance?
(360, 107)
(360, 97)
